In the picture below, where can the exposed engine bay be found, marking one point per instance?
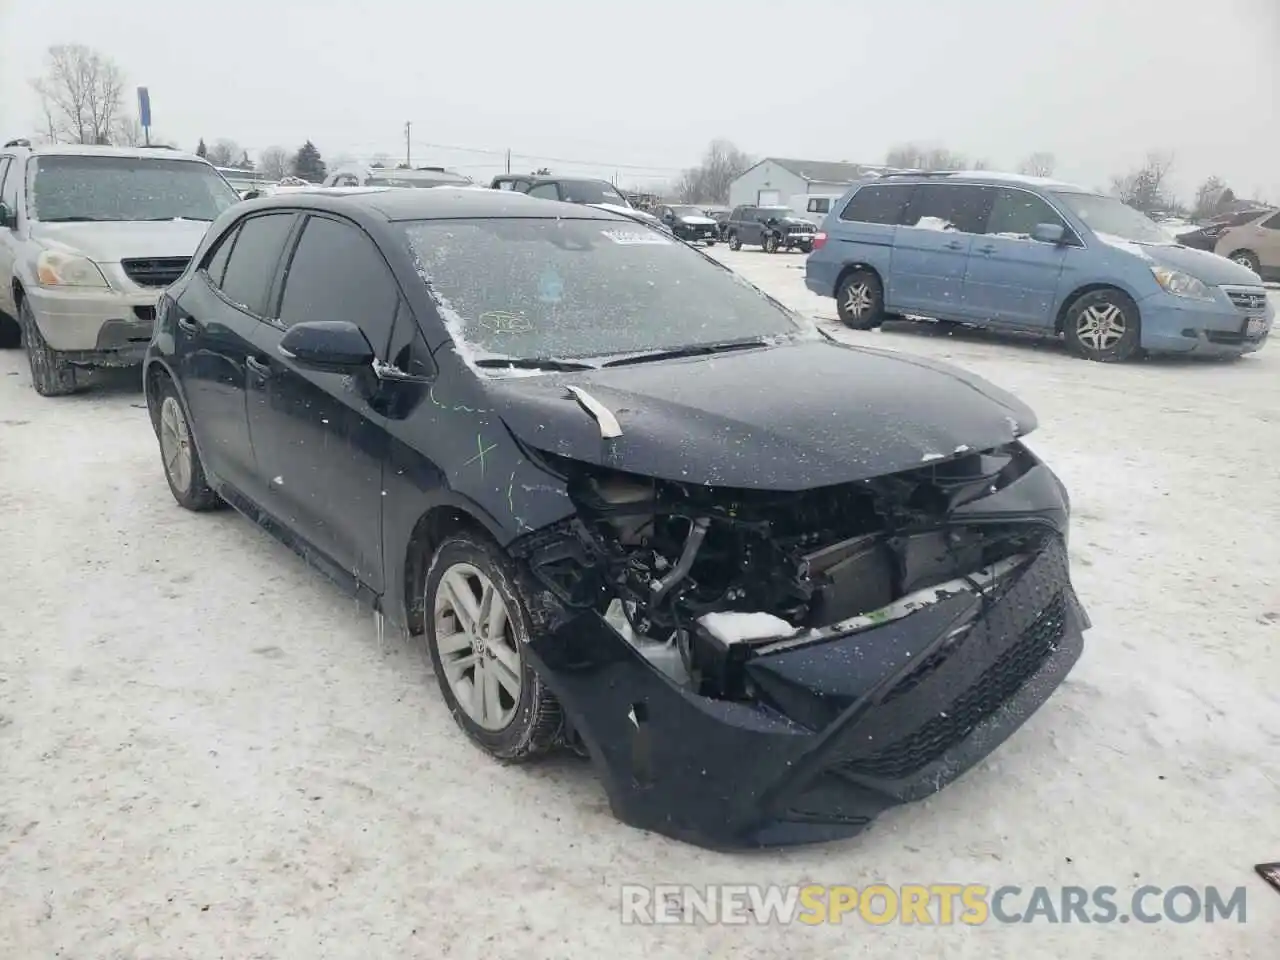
(666, 562)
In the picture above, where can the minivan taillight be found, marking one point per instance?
(819, 240)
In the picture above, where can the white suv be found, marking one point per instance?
(89, 238)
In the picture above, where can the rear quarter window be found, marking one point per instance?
(252, 265)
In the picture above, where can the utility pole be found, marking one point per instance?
(508, 159)
(408, 126)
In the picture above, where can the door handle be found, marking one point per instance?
(258, 367)
(954, 245)
(187, 325)
(989, 248)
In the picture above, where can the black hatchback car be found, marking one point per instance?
(545, 438)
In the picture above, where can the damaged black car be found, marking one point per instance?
(770, 583)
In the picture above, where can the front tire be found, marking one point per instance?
(806, 248)
(51, 375)
(860, 300)
(1103, 326)
(735, 242)
(183, 468)
(1247, 258)
(770, 243)
(477, 628)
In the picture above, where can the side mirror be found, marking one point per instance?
(1053, 233)
(8, 218)
(251, 195)
(328, 346)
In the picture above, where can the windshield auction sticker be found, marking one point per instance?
(635, 236)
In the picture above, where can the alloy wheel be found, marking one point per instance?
(477, 646)
(175, 444)
(858, 300)
(1101, 327)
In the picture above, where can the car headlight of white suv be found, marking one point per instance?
(55, 268)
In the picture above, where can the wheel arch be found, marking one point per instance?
(1059, 322)
(432, 528)
(854, 267)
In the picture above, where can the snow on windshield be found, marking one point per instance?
(573, 289)
(68, 188)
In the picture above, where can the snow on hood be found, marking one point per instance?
(696, 221)
(110, 241)
(628, 211)
(1201, 264)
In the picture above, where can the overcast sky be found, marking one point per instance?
(638, 87)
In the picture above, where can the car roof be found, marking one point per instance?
(977, 176)
(89, 150)
(438, 203)
(551, 178)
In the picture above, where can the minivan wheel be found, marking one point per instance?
(1247, 258)
(1103, 326)
(478, 626)
(735, 243)
(860, 300)
(182, 467)
(51, 375)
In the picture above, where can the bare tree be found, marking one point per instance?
(273, 162)
(128, 132)
(911, 156)
(709, 181)
(80, 94)
(1211, 196)
(224, 153)
(1146, 188)
(1038, 164)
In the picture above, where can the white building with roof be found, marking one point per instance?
(775, 181)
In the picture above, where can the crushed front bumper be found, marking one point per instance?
(838, 731)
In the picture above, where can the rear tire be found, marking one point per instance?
(477, 628)
(806, 248)
(1247, 258)
(51, 375)
(1103, 326)
(735, 242)
(860, 300)
(183, 468)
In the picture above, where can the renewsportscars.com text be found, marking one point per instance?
(937, 904)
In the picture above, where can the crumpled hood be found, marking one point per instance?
(113, 241)
(792, 417)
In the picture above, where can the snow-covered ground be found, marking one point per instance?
(204, 752)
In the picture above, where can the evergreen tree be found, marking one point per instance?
(307, 163)
(201, 150)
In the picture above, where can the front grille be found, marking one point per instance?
(997, 684)
(1250, 301)
(156, 271)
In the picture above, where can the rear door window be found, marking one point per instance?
(1015, 213)
(252, 266)
(337, 273)
(547, 191)
(878, 203)
(944, 206)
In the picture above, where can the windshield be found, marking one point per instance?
(779, 212)
(591, 191)
(583, 288)
(126, 188)
(1112, 217)
(689, 211)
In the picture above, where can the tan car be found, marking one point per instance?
(1254, 244)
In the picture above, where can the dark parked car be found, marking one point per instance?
(594, 193)
(721, 216)
(689, 223)
(1207, 236)
(542, 437)
(773, 228)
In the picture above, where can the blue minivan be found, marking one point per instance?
(1003, 250)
